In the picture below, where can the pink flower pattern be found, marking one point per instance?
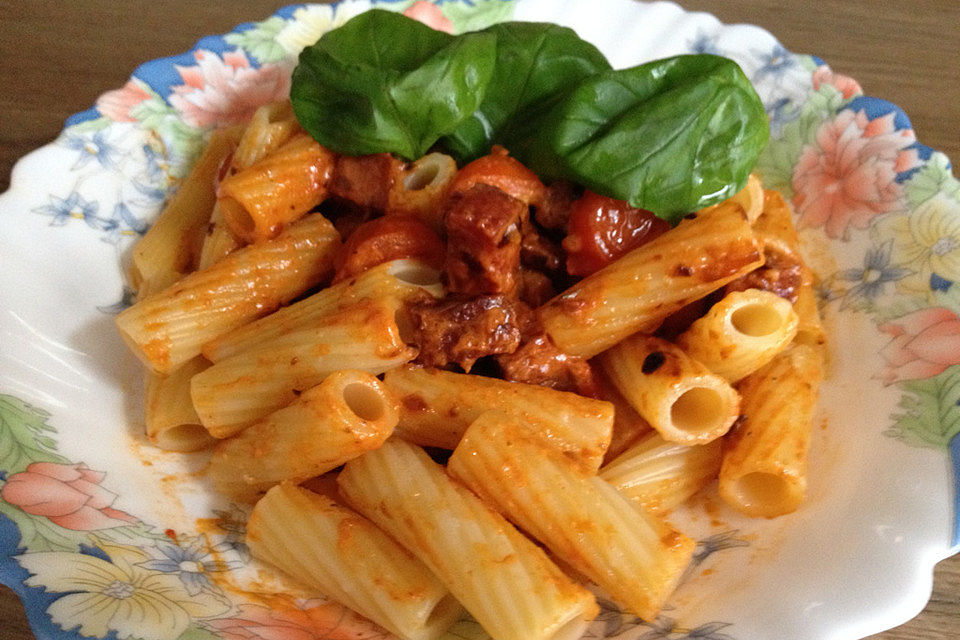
(304, 620)
(117, 104)
(846, 85)
(69, 495)
(430, 15)
(849, 176)
(924, 344)
(221, 91)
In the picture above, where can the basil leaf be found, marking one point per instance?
(670, 136)
(535, 63)
(386, 83)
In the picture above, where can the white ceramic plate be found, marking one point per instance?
(104, 536)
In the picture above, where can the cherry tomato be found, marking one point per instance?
(507, 174)
(388, 238)
(602, 229)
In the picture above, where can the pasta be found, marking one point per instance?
(346, 414)
(270, 126)
(345, 556)
(168, 328)
(661, 475)
(172, 422)
(258, 201)
(411, 367)
(421, 189)
(436, 407)
(741, 333)
(634, 556)
(639, 290)
(394, 282)
(241, 389)
(680, 398)
(505, 581)
(170, 248)
(765, 465)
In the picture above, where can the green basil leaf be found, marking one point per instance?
(670, 136)
(386, 83)
(536, 62)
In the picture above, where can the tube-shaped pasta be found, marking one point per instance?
(680, 398)
(639, 290)
(348, 413)
(437, 406)
(741, 333)
(661, 475)
(270, 126)
(764, 470)
(344, 556)
(628, 425)
(421, 189)
(809, 326)
(168, 328)
(582, 519)
(237, 391)
(775, 222)
(260, 200)
(218, 242)
(172, 422)
(394, 281)
(506, 582)
(171, 247)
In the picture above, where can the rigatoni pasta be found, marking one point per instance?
(764, 470)
(171, 246)
(168, 328)
(422, 187)
(741, 333)
(393, 282)
(343, 555)
(661, 475)
(680, 398)
(507, 583)
(639, 290)
(172, 422)
(348, 413)
(239, 390)
(437, 406)
(260, 200)
(631, 554)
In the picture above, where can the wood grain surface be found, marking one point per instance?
(56, 57)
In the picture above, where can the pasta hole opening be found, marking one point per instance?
(237, 217)
(573, 629)
(756, 320)
(416, 274)
(422, 176)
(363, 400)
(405, 326)
(445, 611)
(760, 489)
(184, 438)
(697, 409)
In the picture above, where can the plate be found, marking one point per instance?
(104, 536)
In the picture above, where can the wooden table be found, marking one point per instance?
(56, 57)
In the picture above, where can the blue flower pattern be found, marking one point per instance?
(192, 562)
(871, 280)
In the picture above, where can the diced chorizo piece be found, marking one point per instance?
(539, 252)
(535, 287)
(458, 330)
(554, 211)
(781, 273)
(483, 241)
(539, 361)
(365, 180)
